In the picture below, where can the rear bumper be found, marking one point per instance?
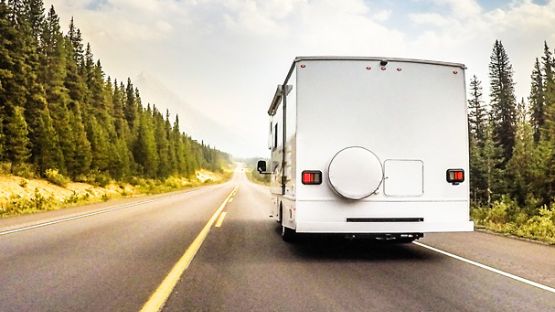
(383, 227)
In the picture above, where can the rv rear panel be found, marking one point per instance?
(383, 133)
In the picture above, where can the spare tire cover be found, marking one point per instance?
(355, 172)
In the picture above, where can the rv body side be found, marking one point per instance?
(405, 117)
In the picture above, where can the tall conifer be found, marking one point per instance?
(503, 102)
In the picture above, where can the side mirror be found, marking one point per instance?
(261, 166)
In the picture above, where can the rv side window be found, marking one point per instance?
(275, 135)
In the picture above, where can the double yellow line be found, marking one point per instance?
(157, 300)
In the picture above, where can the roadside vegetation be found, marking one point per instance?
(20, 195)
(512, 150)
(62, 119)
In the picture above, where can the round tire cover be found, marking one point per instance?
(355, 172)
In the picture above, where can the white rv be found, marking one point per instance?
(373, 146)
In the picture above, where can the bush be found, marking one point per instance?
(175, 182)
(505, 217)
(73, 199)
(25, 170)
(498, 213)
(540, 226)
(23, 183)
(5, 167)
(21, 205)
(53, 176)
(102, 179)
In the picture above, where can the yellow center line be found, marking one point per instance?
(157, 300)
(221, 219)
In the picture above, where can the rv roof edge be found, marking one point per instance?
(275, 101)
(376, 58)
(278, 96)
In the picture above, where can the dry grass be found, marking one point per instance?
(19, 195)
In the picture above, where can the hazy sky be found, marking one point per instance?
(217, 63)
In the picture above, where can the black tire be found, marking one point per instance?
(287, 234)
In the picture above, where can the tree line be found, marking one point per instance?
(59, 110)
(512, 142)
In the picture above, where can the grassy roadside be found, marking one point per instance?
(20, 196)
(506, 218)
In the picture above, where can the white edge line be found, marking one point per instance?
(39, 225)
(485, 267)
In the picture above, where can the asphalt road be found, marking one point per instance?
(114, 256)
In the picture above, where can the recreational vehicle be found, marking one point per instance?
(369, 146)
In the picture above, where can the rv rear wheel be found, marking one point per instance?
(287, 234)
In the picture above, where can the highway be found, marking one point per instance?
(137, 254)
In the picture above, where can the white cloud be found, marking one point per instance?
(382, 15)
(432, 19)
(461, 8)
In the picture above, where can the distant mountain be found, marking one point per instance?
(192, 121)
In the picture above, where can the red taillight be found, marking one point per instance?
(311, 177)
(455, 176)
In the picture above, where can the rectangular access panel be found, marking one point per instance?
(403, 177)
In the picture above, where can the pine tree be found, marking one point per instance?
(477, 113)
(16, 9)
(100, 146)
(520, 166)
(7, 63)
(476, 174)
(13, 66)
(46, 153)
(163, 145)
(76, 41)
(477, 121)
(490, 163)
(503, 102)
(179, 147)
(81, 157)
(172, 145)
(79, 162)
(53, 76)
(131, 104)
(17, 147)
(537, 101)
(549, 92)
(547, 62)
(33, 11)
(145, 152)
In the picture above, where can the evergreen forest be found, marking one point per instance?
(60, 111)
(512, 149)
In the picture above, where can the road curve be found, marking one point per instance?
(114, 261)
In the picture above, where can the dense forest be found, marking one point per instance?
(512, 149)
(59, 110)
